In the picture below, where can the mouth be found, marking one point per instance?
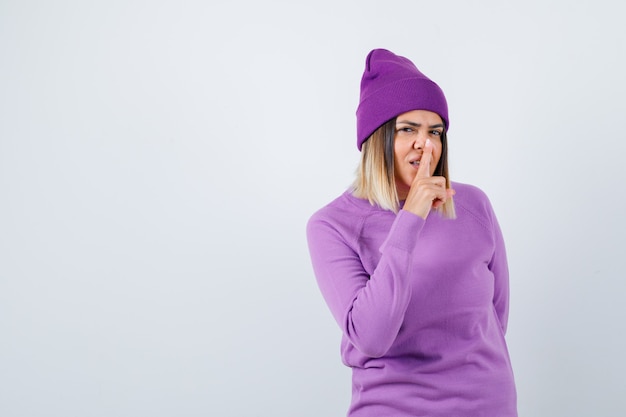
(416, 162)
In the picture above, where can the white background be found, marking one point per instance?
(159, 161)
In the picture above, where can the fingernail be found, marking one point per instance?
(427, 142)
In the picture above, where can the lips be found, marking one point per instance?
(415, 161)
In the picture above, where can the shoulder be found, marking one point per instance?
(345, 208)
(468, 191)
(345, 214)
(473, 201)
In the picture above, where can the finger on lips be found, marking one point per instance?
(424, 168)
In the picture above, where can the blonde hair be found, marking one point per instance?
(375, 178)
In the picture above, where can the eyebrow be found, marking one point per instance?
(419, 124)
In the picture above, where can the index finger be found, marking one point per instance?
(423, 171)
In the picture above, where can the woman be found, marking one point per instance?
(412, 266)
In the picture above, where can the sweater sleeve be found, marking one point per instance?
(499, 267)
(369, 309)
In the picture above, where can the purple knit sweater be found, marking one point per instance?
(422, 304)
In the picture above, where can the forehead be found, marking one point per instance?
(420, 116)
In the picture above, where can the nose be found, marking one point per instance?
(419, 143)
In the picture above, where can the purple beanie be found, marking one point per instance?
(392, 85)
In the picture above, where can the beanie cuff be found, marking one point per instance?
(396, 98)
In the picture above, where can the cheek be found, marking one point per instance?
(437, 152)
(398, 153)
(436, 158)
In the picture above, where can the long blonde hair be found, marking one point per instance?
(375, 175)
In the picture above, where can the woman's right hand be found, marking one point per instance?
(426, 192)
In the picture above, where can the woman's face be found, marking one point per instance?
(412, 130)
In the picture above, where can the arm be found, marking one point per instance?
(369, 310)
(499, 267)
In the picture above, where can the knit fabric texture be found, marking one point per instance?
(422, 305)
(392, 85)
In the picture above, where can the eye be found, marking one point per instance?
(405, 130)
(436, 132)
